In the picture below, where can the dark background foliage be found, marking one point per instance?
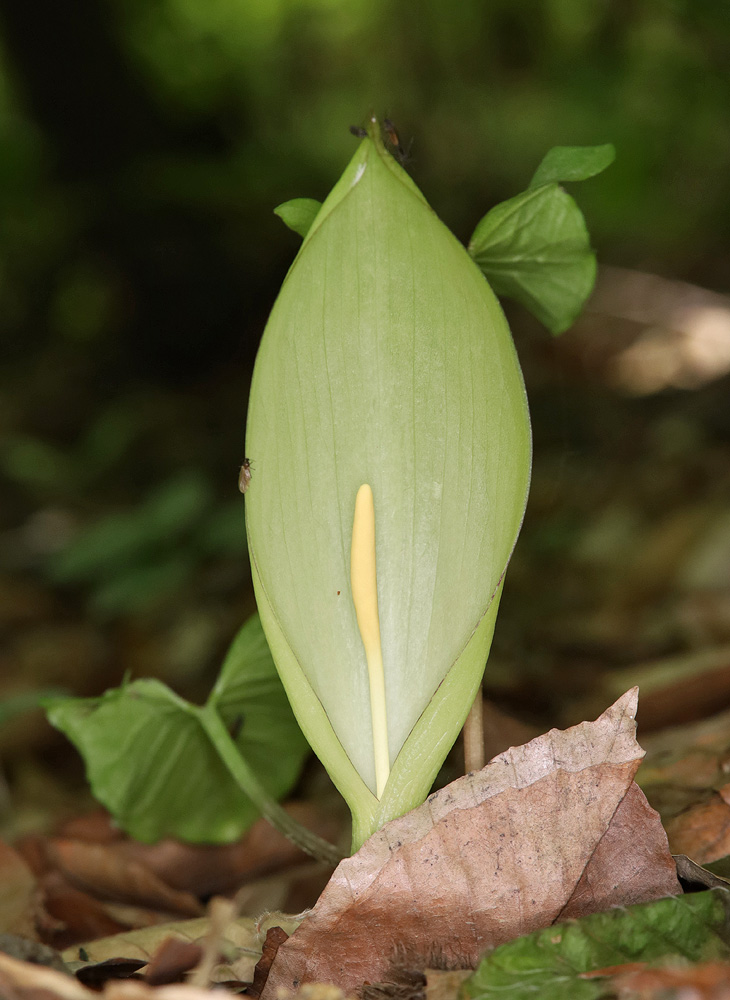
(144, 146)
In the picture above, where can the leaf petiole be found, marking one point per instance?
(249, 784)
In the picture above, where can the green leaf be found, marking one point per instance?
(248, 686)
(549, 963)
(535, 249)
(175, 506)
(35, 463)
(150, 761)
(136, 537)
(101, 550)
(298, 214)
(388, 361)
(142, 585)
(573, 163)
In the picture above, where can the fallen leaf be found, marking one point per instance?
(242, 944)
(708, 981)
(23, 981)
(275, 938)
(685, 764)
(173, 958)
(18, 899)
(97, 975)
(545, 831)
(200, 869)
(207, 870)
(703, 830)
(73, 915)
(96, 827)
(444, 985)
(677, 689)
(694, 877)
(99, 869)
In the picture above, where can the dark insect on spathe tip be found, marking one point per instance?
(390, 131)
(244, 476)
(402, 154)
(358, 131)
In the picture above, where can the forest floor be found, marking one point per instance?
(621, 578)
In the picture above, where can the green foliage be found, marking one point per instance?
(298, 214)
(47, 469)
(535, 247)
(151, 761)
(550, 962)
(281, 82)
(573, 163)
(133, 558)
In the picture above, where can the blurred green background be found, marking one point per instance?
(144, 146)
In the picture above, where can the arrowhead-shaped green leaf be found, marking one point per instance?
(535, 249)
(573, 163)
(298, 214)
(387, 361)
(150, 761)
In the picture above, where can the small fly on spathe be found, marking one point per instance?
(244, 476)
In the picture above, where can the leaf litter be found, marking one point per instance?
(551, 830)
(89, 881)
(545, 835)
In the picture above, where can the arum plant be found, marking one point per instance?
(389, 459)
(389, 427)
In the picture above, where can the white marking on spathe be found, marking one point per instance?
(358, 175)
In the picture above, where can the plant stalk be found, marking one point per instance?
(474, 735)
(249, 784)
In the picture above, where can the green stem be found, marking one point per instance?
(249, 784)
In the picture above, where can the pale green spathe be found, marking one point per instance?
(386, 360)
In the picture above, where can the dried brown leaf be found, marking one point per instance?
(96, 976)
(702, 831)
(215, 869)
(101, 870)
(72, 915)
(549, 830)
(707, 981)
(242, 944)
(23, 981)
(694, 877)
(275, 938)
(173, 958)
(444, 985)
(677, 689)
(18, 894)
